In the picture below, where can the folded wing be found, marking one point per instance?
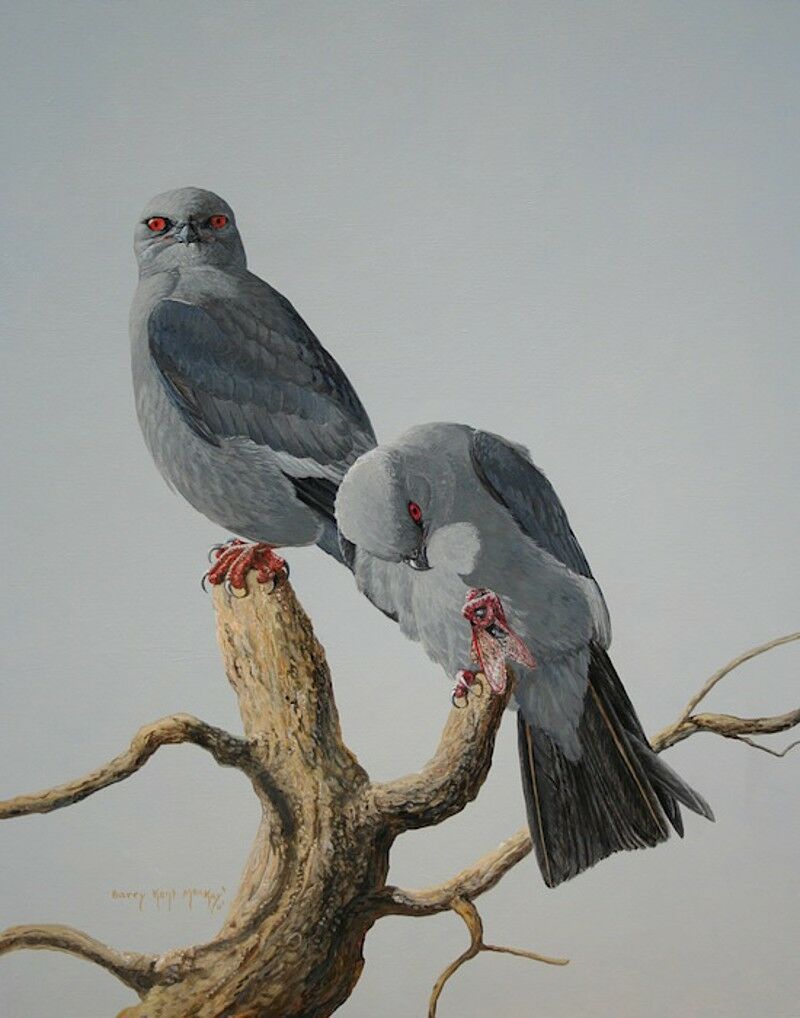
(233, 377)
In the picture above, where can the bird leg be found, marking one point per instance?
(493, 640)
(233, 560)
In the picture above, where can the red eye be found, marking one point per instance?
(157, 224)
(217, 222)
(415, 512)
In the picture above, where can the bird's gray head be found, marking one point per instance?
(385, 509)
(186, 228)
(413, 501)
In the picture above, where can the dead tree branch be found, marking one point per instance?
(453, 777)
(471, 882)
(134, 970)
(490, 868)
(728, 725)
(464, 908)
(226, 749)
(291, 945)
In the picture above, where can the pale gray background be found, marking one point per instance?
(575, 224)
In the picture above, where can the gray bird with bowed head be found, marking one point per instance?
(244, 412)
(446, 509)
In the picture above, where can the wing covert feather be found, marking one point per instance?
(510, 477)
(233, 377)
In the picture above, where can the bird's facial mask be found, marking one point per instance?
(185, 228)
(383, 511)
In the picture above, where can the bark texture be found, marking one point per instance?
(291, 945)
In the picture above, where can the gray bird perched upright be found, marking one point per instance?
(243, 410)
(444, 510)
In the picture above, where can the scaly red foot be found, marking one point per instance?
(233, 560)
(467, 682)
(493, 641)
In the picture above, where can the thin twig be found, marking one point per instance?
(729, 726)
(748, 655)
(226, 749)
(767, 749)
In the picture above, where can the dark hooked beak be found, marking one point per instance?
(187, 233)
(419, 561)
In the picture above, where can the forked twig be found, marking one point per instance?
(728, 725)
(472, 919)
(747, 655)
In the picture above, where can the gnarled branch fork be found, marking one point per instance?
(315, 882)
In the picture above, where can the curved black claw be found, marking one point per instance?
(234, 591)
(468, 683)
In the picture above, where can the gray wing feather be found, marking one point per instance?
(233, 376)
(509, 476)
(511, 479)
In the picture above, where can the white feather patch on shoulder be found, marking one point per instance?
(305, 466)
(454, 547)
(599, 610)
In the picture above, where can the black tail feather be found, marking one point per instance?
(617, 796)
(668, 783)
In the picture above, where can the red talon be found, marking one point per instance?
(234, 560)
